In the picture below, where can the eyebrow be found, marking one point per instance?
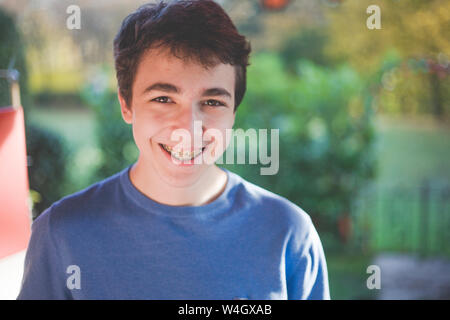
(170, 88)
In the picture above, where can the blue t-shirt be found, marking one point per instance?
(110, 241)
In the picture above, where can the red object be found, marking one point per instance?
(345, 227)
(274, 4)
(15, 216)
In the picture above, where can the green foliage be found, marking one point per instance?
(47, 157)
(309, 45)
(409, 87)
(326, 134)
(12, 55)
(417, 31)
(114, 136)
(348, 277)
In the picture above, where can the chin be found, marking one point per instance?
(181, 178)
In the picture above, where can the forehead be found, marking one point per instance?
(158, 65)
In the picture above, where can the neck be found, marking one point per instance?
(205, 190)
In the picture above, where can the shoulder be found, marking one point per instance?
(85, 205)
(271, 207)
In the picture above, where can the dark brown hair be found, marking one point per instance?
(192, 29)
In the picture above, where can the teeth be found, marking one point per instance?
(180, 155)
(167, 148)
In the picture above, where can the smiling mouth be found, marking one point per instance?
(182, 155)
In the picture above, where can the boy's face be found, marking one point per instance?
(170, 94)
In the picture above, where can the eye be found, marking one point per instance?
(215, 103)
(163, 99)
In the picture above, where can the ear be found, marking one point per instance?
(127, 114)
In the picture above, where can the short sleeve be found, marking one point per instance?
(309, 277)
(43, 277)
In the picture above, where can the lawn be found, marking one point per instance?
(411, 150)
(348, 277)
(77, 127)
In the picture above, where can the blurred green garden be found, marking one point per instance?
(363, 116)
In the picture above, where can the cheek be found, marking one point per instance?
(220, 121)
(220, 130)
(145, 128)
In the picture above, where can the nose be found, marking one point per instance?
(189, 121)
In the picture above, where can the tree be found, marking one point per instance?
(415, 29)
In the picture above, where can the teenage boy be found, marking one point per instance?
(170, 227)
